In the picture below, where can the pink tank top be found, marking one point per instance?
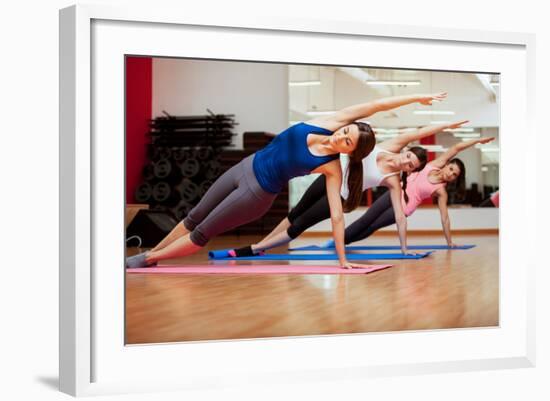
(495, 198)
(419, 188)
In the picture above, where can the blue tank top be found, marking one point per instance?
(288, 156)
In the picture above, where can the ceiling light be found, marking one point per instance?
(385, 136)
(320, 113)
(304, 83)
(434, 148)
(466, 134)
(386, 130)
(394, 130)
(488, 149)
(434, 112)
(464, 129)
(393, 83)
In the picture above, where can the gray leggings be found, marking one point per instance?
(234, 199)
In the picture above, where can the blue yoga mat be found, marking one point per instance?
(223, 255)
(379, 247)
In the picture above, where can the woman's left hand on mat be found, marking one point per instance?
(349, 265)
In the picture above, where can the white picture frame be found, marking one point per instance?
(93, 357)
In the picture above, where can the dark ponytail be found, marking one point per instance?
(404, 176)
(365, 145)
(422, 156)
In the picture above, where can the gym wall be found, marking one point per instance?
(257, 94)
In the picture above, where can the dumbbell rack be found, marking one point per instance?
(183, 155)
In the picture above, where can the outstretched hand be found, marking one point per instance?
(349, 265)
(458, 124)
(428, 99)
(486, 140)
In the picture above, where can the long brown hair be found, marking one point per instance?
(365, 145)
(422, 156)
(459, 185)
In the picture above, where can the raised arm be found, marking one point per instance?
(333, 174)
(444, 212)
(403, 139)
(455, 149)
(350, 114)
(400, 218)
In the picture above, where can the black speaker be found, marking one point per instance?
(151, 226)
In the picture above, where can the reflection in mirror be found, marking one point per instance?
(318, 90)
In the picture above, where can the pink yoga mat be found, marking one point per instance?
(258, 269)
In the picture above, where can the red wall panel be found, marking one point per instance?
(139, 95)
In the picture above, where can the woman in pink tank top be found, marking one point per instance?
(429, 182)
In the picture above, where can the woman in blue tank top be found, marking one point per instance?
(246, 191)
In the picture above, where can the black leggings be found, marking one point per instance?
(379, 215)
(314, 208)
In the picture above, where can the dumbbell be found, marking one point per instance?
(162, 168)
(181, 154)
(182, 209)
(203, 153)
(162, 192)
(203, 187)
(190, 167)
(213, 169)
(164, 152)
(143, 192)
(188, 190)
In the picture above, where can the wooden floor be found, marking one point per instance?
(448, 289)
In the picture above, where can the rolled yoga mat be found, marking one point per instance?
(261, 269)
(378, 247)
(223, 254)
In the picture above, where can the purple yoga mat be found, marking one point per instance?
(257, 269)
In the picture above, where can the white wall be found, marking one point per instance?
(427, 219)
(466, 97)
(312, 97)
(256, 93)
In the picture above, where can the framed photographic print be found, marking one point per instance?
(162, 112)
